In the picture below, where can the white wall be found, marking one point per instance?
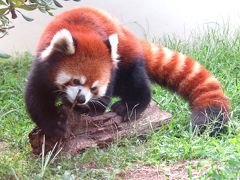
(155, 17)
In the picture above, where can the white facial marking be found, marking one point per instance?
(83, 79)
(102, 90)
(95, 84)
(72, 92)
(86, 93)
(62, 78)
(113, 40)
(61, 38)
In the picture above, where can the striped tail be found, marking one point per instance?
(191, 81)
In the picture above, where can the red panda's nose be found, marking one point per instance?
(81, 99)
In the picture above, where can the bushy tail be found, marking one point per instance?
(190, 80)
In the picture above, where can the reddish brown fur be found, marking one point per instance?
(84, 14)
(170, 67)
(199, 94)
(204, 88)
(175, 81)
(88, 60)
(155, 66)
(211, 98)
(194, 82)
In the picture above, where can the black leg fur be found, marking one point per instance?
(40, 101)
(213, 116)
(133, 87)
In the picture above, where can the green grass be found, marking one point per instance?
(216, 49)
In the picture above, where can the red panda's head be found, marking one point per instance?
(84, 68)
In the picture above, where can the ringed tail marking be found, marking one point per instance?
(168, 54)
(153, 56)
(154, 53)
(210, 84)
(180, 64)
(195, 70)
(192, 80)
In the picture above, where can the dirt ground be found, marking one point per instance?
(3, 148)
(180, 170)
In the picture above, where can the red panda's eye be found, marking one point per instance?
(93, 89)
(76, 82)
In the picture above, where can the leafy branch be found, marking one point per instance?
(11, 9)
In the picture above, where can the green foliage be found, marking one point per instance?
(12, 8)
(175, 142)
(4, 55)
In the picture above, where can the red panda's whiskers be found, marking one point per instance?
(97, 101)
(62, 95)
(59, 91)
(93, 103)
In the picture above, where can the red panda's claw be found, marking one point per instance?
(56, 128)
(120, 108)
(123, 109)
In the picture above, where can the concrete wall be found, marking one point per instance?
(151, 17)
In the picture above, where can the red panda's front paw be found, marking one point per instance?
(82, 109)
(56, 127)
(124, 110)
(119, 108)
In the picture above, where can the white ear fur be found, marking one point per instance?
(62, 41)
(113, 40)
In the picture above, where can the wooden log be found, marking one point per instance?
(84, 131)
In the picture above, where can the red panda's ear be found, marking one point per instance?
(113, 41)
(61, 42)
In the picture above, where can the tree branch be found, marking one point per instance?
(85, 132)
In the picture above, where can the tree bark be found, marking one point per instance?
(84, 131)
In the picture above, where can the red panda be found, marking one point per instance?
(85, 57)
